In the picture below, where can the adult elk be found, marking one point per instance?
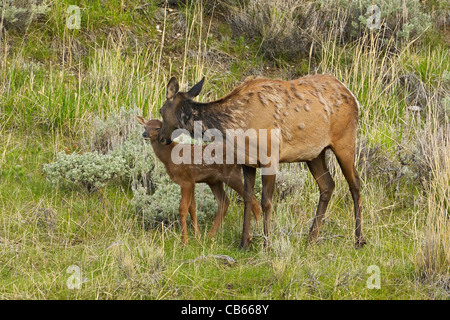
(187, 175)
(313, 113)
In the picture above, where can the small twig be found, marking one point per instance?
(330, 237)
(227, 259)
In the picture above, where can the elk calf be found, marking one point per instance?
(187, 175)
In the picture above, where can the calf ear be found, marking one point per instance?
(195, 90)
(141, 120)
(172, 88)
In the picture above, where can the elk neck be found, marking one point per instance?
(218, 115)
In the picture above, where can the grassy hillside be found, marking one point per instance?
(77, 90)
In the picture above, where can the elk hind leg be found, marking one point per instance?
(326, 185)
(249, 185)
(345, 157)
(268, 186)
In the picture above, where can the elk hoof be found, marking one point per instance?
(245, 243)
(184, 241)
(360, 242)
(313, 237)
(267, 244)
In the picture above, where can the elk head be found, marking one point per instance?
(171, 109)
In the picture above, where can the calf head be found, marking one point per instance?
(152, 128)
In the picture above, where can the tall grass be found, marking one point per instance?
(434, 251)
(375, 78)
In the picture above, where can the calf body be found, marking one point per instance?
(187, 175)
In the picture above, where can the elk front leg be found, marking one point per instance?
(249, 185)
(236, 184)
(222, 206)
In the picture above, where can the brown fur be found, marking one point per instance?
(324, 116)
(187, 175)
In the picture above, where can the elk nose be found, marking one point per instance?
(145, 134)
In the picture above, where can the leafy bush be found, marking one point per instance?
(400, 19)
(290, 179)
(140, 162)
(121, 136)
(118, 151)
(113, 131)
(375, 161)
(89, 170)
(273, 22)
(294, 28)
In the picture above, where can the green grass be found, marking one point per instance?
(55, 81)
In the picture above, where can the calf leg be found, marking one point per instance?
(186, 197)
(193, 213)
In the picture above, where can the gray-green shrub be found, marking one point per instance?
(89, 170)
(294, 28)
(401, 19)
(20, 13)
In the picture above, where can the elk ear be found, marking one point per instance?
(172, 88)
(141, 120)
(195, 90)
